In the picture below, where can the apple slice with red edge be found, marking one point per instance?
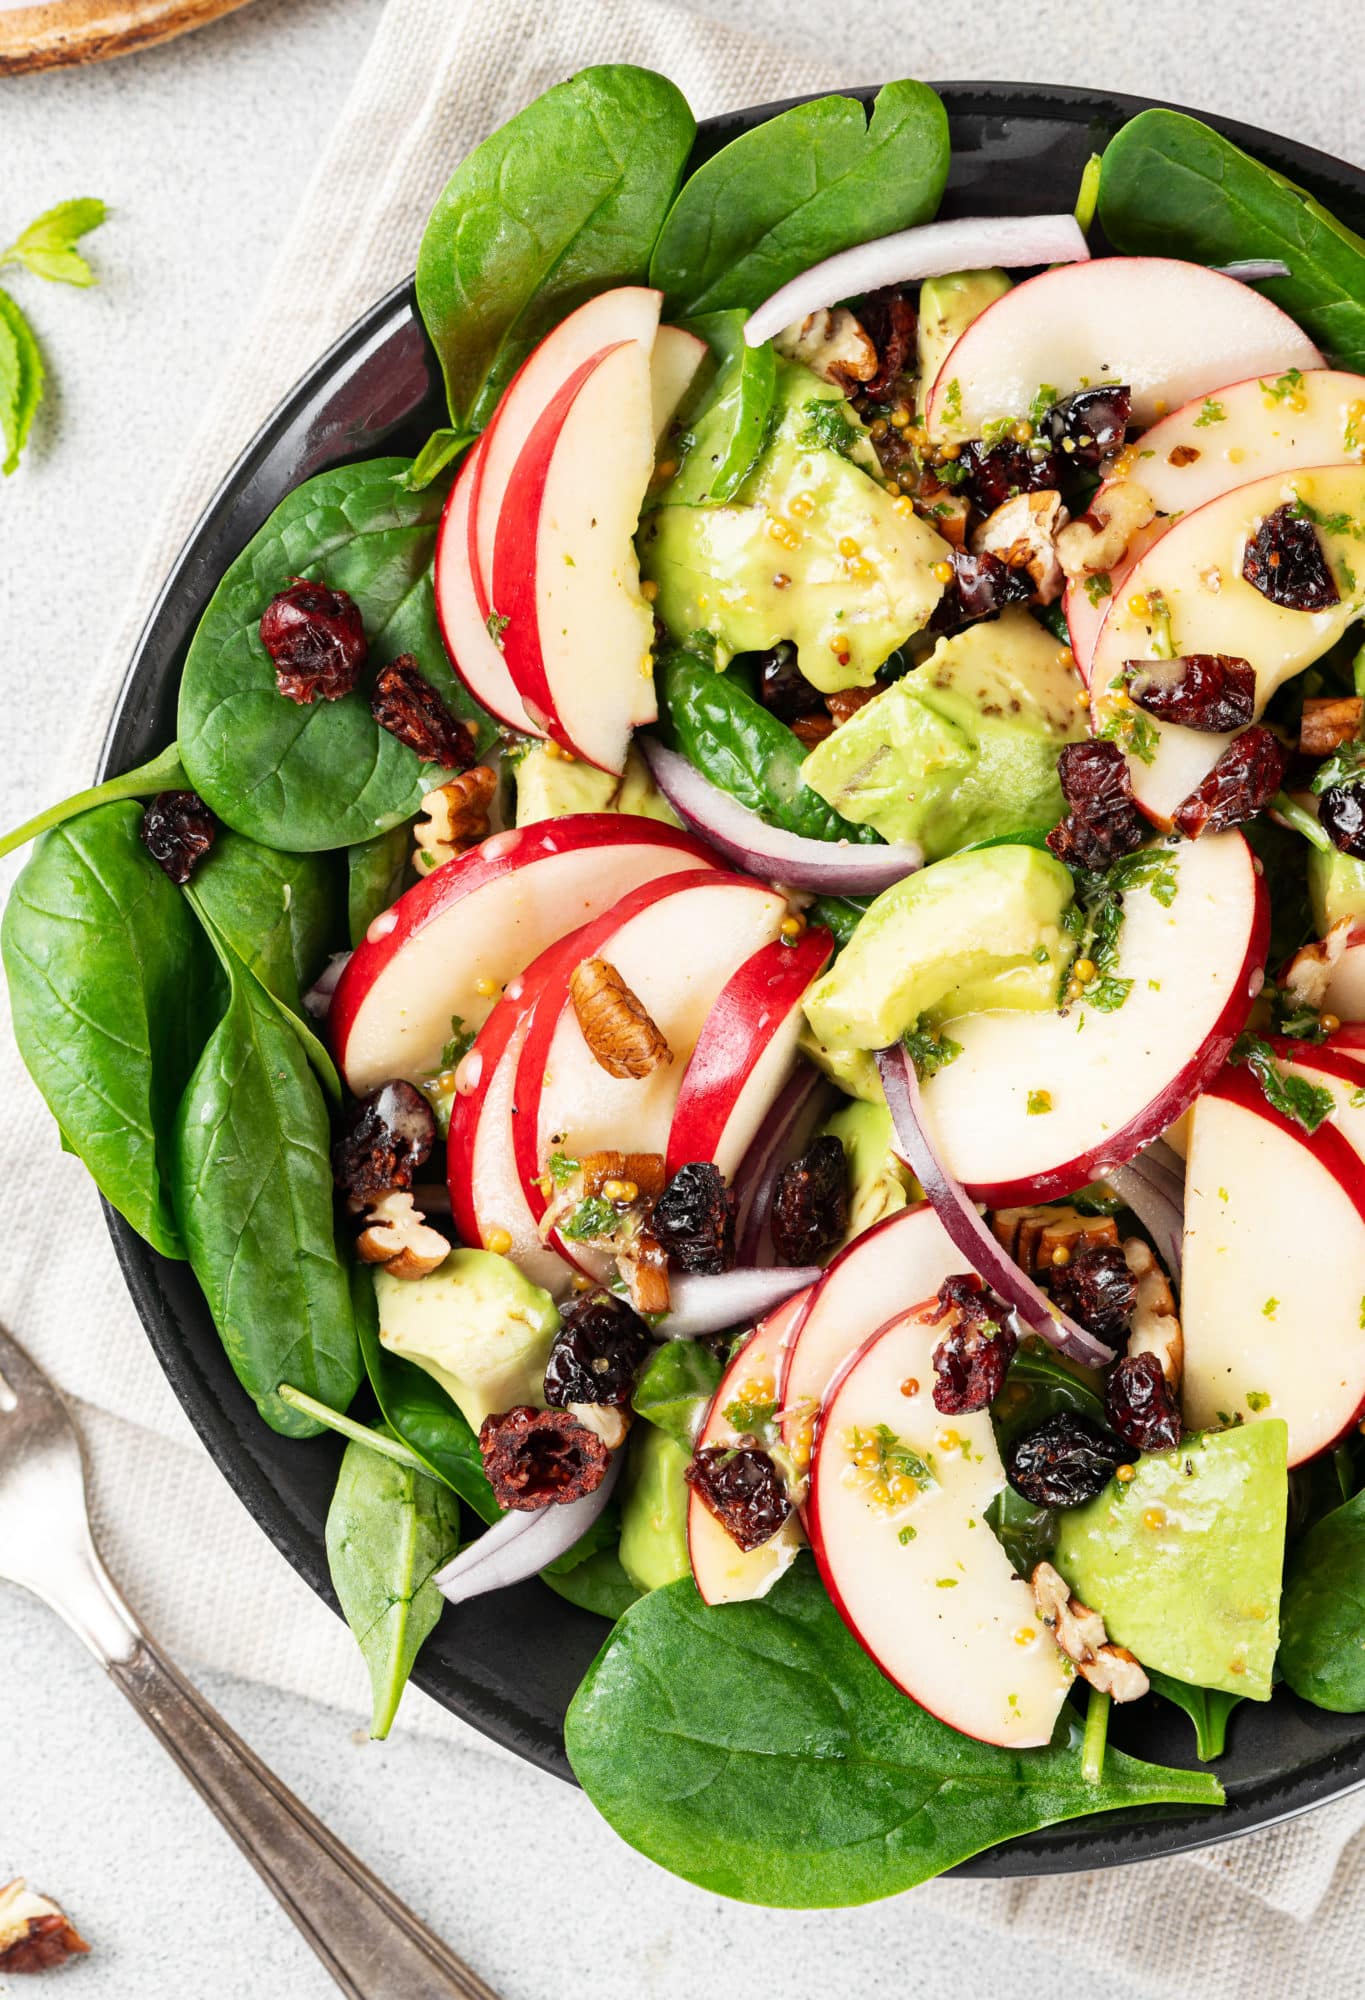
(724, 1572)
(1085, 605)
(921, 1582)
(462, 610)
(1349, 1041)
(745, 1052)
(1169, 330)
(673, 367)
(1273, 1287)
(453, 940)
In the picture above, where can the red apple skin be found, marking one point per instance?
(740, 1026)
(501, 856)
(487, 679)
(1344, 1063)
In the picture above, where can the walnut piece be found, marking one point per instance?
(833, 344)
(34, 1933)
(604, 1420)
(1021, 534)
(1155, 1328)
(1081, 1635)
(1328, 722)
(396, 1236)
(1099, 543)
(1030, 1235)
(1309, 972)
(456, 818)
(616, 1027)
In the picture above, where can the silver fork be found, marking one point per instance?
(370, 1942)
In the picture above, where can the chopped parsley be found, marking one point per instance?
(460, 1043)
(592, 1217)
(1125, 724)
(906, 1535)
(1346, 763)
(827, 428)
(951, 472)
(895, 1458)
(1098, 587)
(749, 1418)
(1357, 1099)
(1039, 1102)
(561, 1168)
(1211, 413)
(1331, 524)
(1294, 1097)
(997, 431)
(1268, 1311)
(928, 1052)
(497, 623)
(1257, 1400)
(1095, 921)
(1045, 399)
(1285, 388)
(952, 401)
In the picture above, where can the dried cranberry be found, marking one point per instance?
(971, 1360)
(596, 1353)
(784, 689)
(540, 1458)
(408, 706)
(1099, 1290)
(316, 640)
(1103, 822)
(692, 1220)
(1341, 812)
(1065, 1461)
(742, 1487)
(810, 1203)
(1212, 691)
(995, 473)
(387, 1137)
(1139, 1405)
(1242, 783)
(888, 318)
(177, 831)
(981, 586)
(1286, 562)
(1085, 426)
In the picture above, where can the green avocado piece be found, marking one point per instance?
(962, 749)
(549, 784)
(654, 1510)
(1336, 888)
(1183, 1563)
(972, 932)
(947, 307)
(476, 1325)
(879, 1183)
(812, 549)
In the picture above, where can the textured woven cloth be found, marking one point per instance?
(440, 75)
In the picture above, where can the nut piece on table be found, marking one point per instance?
(832, 344)
(35, 1934)
(1329, 721)
(616, 1027)
(456, 818)
(1085, 549)
(1156, 1329)
(1021, 534)
(396, 1235)
(1080, 1634)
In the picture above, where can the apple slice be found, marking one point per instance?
(579, 633)
(725, 1573)
(455, 938)
(906, 1257)
(1196, 571)
(1345, 996)
(1273, 1291)
(462, 606)
(1086, 609)
(1170, 330)
(1036, 1105)
(1349, 1040)
(745, 1053)
(921, 1582)
(672, 370)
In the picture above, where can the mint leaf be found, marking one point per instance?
(928, 1052)
(21, 380)
(1294, 1097)
(46, 247)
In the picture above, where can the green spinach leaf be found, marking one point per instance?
(755, 1750)
(724, 434)
(599, 1584)
(253, 1194)
(389, 1529)
(563, 202)
(165, 773)
(816, 179)
(1207, 1708)
(112, 988)
(840, 915)
(441, 449)
(374, 878)
(325, 774)
(1322, 1614)
(1038, 1386)
(277, 912)
(1172, 187)
(676, 1388)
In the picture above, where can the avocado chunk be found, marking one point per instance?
(947, 307)
(879, 1183)
(1183, 1563)
(962, 749)
(654, 1510)
(476, 1325)
(811, 549)
(971, 932)
(549, 784)
(1336, 888)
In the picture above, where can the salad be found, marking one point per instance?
(750, 973)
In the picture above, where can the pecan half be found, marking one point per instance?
(643, 1263)
(540, 1458)
(1030, 1235)
(456, 817)
(642, 1171)
(616, 1027)
(35, 1934)
(1080, 1633)
(397, 1237)
(1328, 722)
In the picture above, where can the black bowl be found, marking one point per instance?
(510, 1663)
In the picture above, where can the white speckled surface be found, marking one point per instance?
(203, 148)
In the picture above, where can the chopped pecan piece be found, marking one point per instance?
(644, 1172)
(888, 319)
(834, 344)
(456, 817)
(1080, 1633)
(812, 729)
(1021, 533)
(1097, 544)
(1328, 722)
(407, 705)
(541, 1458)
(846, 702)
(607, 1421)
(1309, 973)
(1155, 1329)
(946, 511)
(643, 1263)
(396, 1235)
(35, 1934)
(617, 1029)
(1031, 1235)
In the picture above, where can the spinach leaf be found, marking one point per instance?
(1322, 1613)
(389, 1529)
(725, 433)
(1207, 1708)
(441, 449)
(818, 178)
(733, 740)
(112, 987)
(675, 1388)
(1026, 1533)
(599, 1584)
(253, 1194)
(164, 774)
(374, 878)
(840, 915)
(278, 913)
(1171, 187)
(232, 962)
(755, 1750)
(564, 201)
(1038, 1386)
(325, 774)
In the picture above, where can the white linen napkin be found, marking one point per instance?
(440, 75)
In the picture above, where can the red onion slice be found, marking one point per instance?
(798, 1108)
(970, 243)
(830, 867)
(1251, 270)
(318, 999)
(967, 1229)
(733, 1298)
(1151, 1202)
(521, 1544)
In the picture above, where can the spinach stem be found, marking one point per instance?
(163, 774)
(347, 1427)
(1096, 1735)
(1300, 821)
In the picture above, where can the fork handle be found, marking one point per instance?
(370, 1942)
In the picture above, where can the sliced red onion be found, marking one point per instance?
(1150, 1200)
(795, 1112)
(1251, 270)
(734, 1298)
(520, 1545)
(318, 999)
(971, 243)
(835, 868)
(1033, 1310)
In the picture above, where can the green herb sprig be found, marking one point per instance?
(46, 249)
(1294, 1097)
